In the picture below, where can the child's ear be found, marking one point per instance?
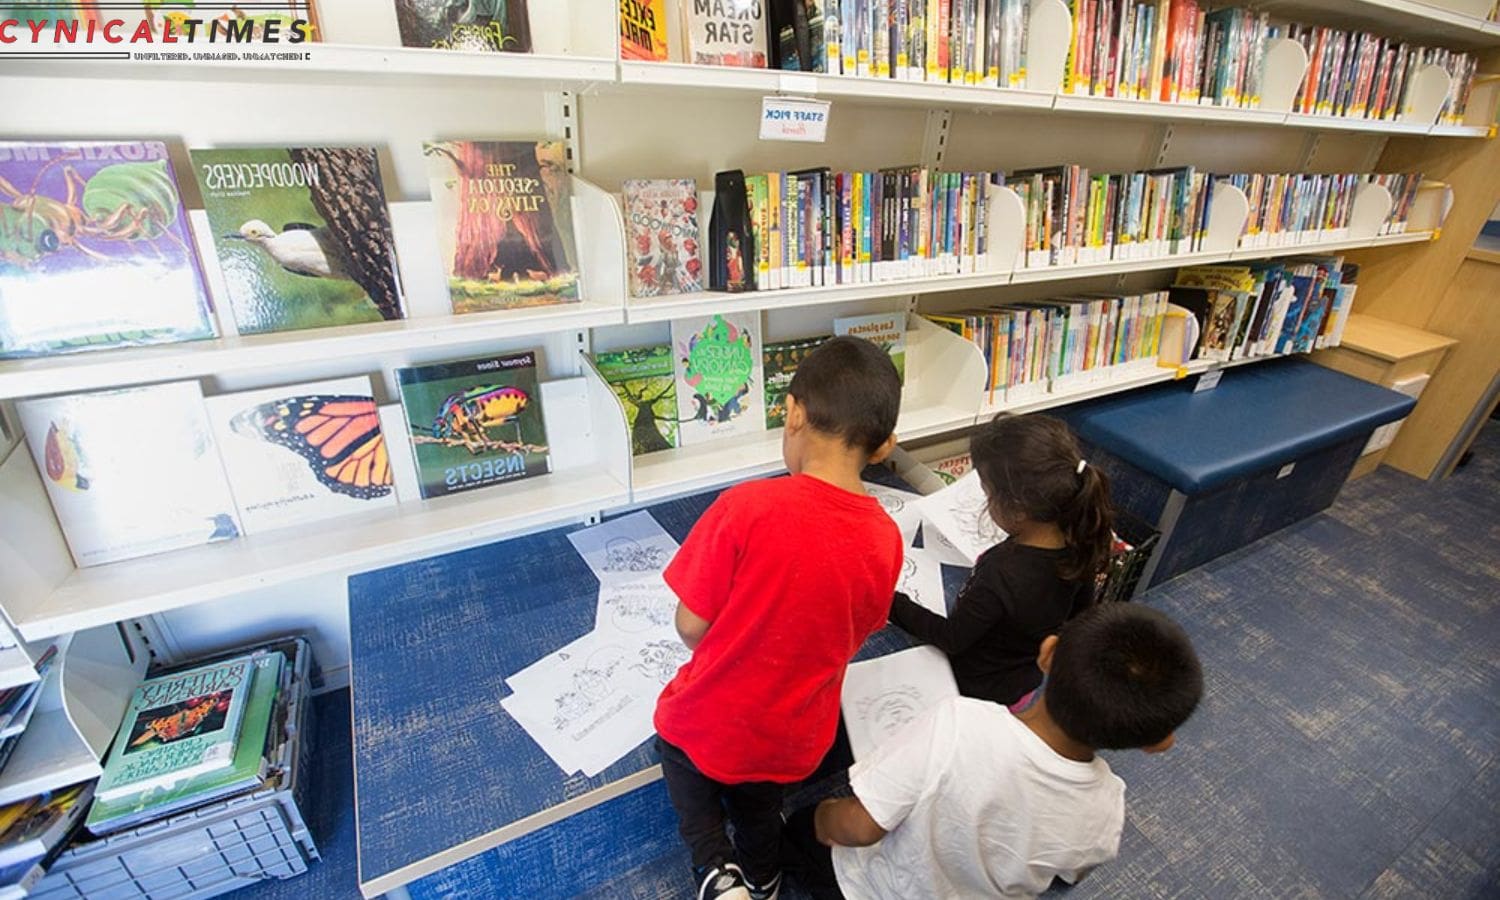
(796, 414)
(1163, 745)
(1044, 655)
(883, 451)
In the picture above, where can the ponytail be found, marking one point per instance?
(1088, 525)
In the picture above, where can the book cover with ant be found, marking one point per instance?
(302, 234)
(95, 250)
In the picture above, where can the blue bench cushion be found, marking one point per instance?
(1260, 416)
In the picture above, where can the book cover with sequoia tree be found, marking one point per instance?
(505, 223)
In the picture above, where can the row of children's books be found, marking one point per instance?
(717, 378)
(1264, 309)
(145, 470)
(1362, 75)
(302, 235)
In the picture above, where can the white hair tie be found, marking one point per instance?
(1081, 464)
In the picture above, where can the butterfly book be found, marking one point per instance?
(303, 452)
(726, 32)
(245, 769)
(483, 26)
(642, 379)
(885, 330)
(130, 472)
(95, 250)
(643, 30)
(42, 823)
(475, 422)
(718, 367)
(505, 223)
(780, 361)
(661, 221)
(302, 235)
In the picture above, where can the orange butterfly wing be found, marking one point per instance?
(338, 436)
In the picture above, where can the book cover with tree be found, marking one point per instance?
(505, 223)
(472, 25)
(302, 235)
(642, 379)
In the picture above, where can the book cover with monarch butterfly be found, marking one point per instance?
(303, 452)
(475, 422)
(130, 472)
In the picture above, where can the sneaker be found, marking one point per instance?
(725, 882)
(768, 891)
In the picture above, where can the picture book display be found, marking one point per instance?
(95, 250)
(244, 769)
(884, 330)
(505, 223)
(176, 727)
(726, 32)
(475, 422)
(718, 368)
(780, 362)
(301, 453)
(643, 30)
(131, 472)
(302, 235)
(661, 223)
(471, 25)
(642, 379)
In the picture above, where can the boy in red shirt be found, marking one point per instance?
(779, 584)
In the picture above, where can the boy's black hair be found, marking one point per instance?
(1123, 676)
(850, 388)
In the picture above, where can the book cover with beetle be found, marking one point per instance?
(302, 234)
(484, 26)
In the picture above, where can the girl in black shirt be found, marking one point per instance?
(1056, 509)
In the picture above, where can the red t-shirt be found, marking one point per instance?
(792, 574)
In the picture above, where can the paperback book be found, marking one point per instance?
(661, 221)
(885, 330)
(302, 235)
(505, 223)
(718, 369)
(642, 379)
(643, 30)
(95, 250)
(781, 361)
(244, 770)
(483, 26)
(726, 32)
(301, 453)
(131, 472)
(475, 422)
(41, 823)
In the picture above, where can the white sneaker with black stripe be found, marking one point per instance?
(768, 891)
(724, 882)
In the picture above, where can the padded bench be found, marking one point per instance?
(1272, 444)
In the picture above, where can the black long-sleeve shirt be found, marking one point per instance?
(1013, 599)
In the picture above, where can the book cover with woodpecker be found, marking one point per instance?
(661, 225)
(303, 452)
(642, 379)
(505, 223)
(95, 250)
(483, 26)
(302, 235)
(130, 472)
(475, 422)
(719, 372)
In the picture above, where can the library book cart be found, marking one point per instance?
(445, 782)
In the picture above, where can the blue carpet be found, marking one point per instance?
(1348, 745)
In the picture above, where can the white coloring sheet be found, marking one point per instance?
(960, 512)
(901, 506)
(922, 580)
(882, 695)
(625, 549)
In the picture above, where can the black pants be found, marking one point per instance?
(806, 860)
(754, 809)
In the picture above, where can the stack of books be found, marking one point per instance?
(33, 832)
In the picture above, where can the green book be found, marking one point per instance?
(781, 361)
(245, 770)
(642, 379)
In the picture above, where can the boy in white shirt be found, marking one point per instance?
(972, 801)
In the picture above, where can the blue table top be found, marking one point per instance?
(1259, 417)
(438, 762)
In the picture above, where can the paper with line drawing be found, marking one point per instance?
(922, 580)
(901, 506)
(625, 549)
(960, 512)
(882, 695)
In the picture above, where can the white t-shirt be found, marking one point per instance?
(978, 806)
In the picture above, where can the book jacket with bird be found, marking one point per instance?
(475, 422)
(302, 235)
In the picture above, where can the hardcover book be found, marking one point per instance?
(642, 379)
(731, 240)
(130, 472)
(475, 422)
(661, 221)
(302, 235)
(301, 453)
(176, 727)
(726, 32)
(885, 330)
(484, 26)
(43, 823)
(95, 250)
(718, 369)
(643, 30)
(780, 362)
(505, 223)
(244, 771)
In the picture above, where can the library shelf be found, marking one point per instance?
(1176, 112)
(49, 756)
(16, 667)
